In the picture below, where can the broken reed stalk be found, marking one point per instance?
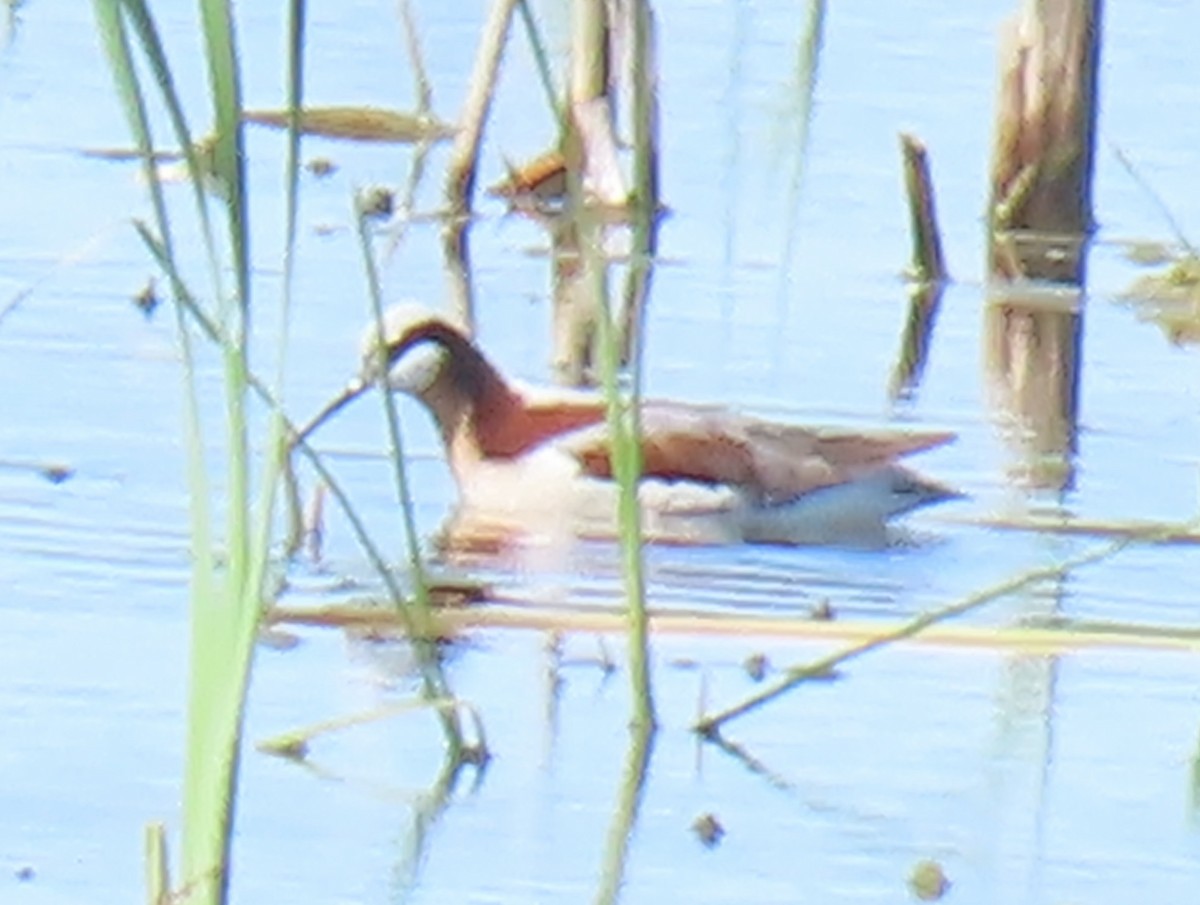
(924, 302)
(1041, 206)
(464, 156)
(822, 667)
(463, 167)
(929, 265)
(1142, 531)
(587, 618)
(158, 865)
(295, 742)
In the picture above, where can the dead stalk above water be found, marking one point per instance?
(454, 620)
(412, 42)
(822, 667)
(464, 156)
(928, 262)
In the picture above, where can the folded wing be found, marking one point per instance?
(774, 463)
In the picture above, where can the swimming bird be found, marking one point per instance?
(532, 462)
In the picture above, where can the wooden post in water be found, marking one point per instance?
(1040, 217)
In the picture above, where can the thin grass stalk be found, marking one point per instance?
(392, 418)
(625, 814)
(223, 615)
(111, 19)
(626, 439)
(414, 847)
(276, 449)
(822, 667)
(646, 187)
(542, 60)
(426, 649)
(213, 333)
(138, 15)
(807, 62)
(412, 42)
(1164, 209)
(277, 430)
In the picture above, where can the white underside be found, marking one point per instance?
(547, 498)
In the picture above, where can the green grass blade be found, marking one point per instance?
(115, 40)
(276, 432)
(427, 652)
(142, 23)
(235, 314)
(542, 60)
(229, 150)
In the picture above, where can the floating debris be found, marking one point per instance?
(125, 155)
(1148, 253)
(290, 747)
(708, 830)
(274, 638)
(359, 124)
(927, 881)
(205, 152)
(1171, 299)
(756, 666)
(57, 473)
(54, 472)
(822, 611)
(146, 299)
(320, 166)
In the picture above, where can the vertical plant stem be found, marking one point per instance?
(276, 433)
(929, 264)
(624, 818)
(625, 432)
(464, 156)
(808, 51)
(420, 619)
(412, 40)
(158, 872)
(646, 193)
(542, 61)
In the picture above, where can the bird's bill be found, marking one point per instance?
(353, 390)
